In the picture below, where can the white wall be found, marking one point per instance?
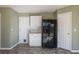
(28, 25)
(23, 29)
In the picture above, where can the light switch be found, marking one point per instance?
(12, 30)
(75, 29)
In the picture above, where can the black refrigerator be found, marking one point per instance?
(49, 33)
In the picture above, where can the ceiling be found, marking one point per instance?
(35, 8)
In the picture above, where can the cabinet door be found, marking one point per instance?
(36, 23)
(35, 39)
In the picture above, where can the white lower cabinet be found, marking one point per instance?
(35, 39)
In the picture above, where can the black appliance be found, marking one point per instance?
(49, 33)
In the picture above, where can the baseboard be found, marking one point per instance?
(5, 48)
(9, 48)
(23, 42)
(74, 50)
(14, 45)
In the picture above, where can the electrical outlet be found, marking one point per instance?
(24, 40)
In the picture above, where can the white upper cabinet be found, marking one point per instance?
(36, 22)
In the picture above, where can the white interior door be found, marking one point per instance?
(0, 30)
(23, 29)
(65, 30)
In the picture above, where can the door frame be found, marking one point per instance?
(58, 30)
(0, 30)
